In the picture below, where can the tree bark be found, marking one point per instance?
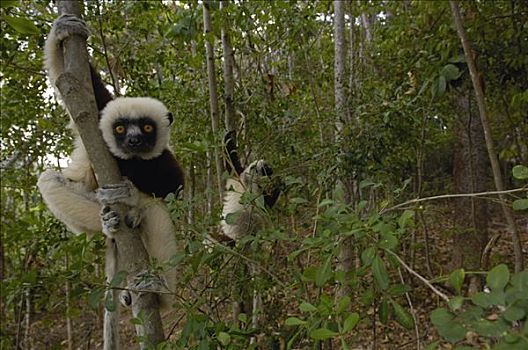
(470, 172)
(497, 176)
(229, 81)
(213, 94)
(346, 258)
(77, 93)
(339, 66)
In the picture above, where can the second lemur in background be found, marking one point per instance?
(255, 178)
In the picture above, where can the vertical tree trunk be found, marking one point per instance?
(77, 93)
(339, 66)
(346, 253)
(470, 168)
(67, 288)
(229, 81)
(27, 318)
(479, 93)
(213, 94)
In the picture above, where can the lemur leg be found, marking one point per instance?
(65, 26)
(71, 202)
(158, 234)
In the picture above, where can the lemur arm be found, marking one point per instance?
(232, 161)
(64, 27)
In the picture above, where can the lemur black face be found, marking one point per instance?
(135, 136)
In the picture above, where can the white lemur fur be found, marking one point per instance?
(144, 159)
(255, 178)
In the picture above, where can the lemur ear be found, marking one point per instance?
(170, 118)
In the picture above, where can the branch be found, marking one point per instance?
(425, 281)
(456, 195)
(77, 93)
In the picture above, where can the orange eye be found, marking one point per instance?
(148, 128)
(120, 129)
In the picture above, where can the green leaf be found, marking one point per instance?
(323, 273)
(242, 317)
(294, 321)
(497, 297)
(514, 313)
(110, 303)
(388, 241)
(350, 322)
(380, 273)
(456, 279)
(309, 273)
(403, 316)
(8, 3)
(406, 218)
(136, 321)
(453, 332)
(343, 304)
(520, 172)
(298, 200)
(440, 317)
(325, 202)
(322, 334)
(498, 277)
(22, 25)
(95, 297)
(384, 312)
(450, 72)
(432, 346)
(456, 303)
(224, 338)
(307, 307)
(366, 183)
(231, 218)
(481, 299)
(520, 204)
(118, 279)
(490, 329)
(344, 345)
(368, 255)
(399, 289)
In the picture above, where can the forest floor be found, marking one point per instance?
(49, 332)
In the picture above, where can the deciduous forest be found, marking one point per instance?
(390, 144)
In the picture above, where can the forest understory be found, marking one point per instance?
(48, 327)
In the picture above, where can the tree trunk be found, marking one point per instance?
(339, 66)
(229, 81)
(75, 87)
(497, 176)
(346, 253)
(470, 171)
(213, 94)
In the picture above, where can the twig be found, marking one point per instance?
(251, 261)
(413, 313)
(425, 281)
(105, 51)
(455, 195)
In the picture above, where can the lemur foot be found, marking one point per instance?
(146, 282)
(109, 220)
(133, 218)
(121, 193)
(150, 282)
(67, 25)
